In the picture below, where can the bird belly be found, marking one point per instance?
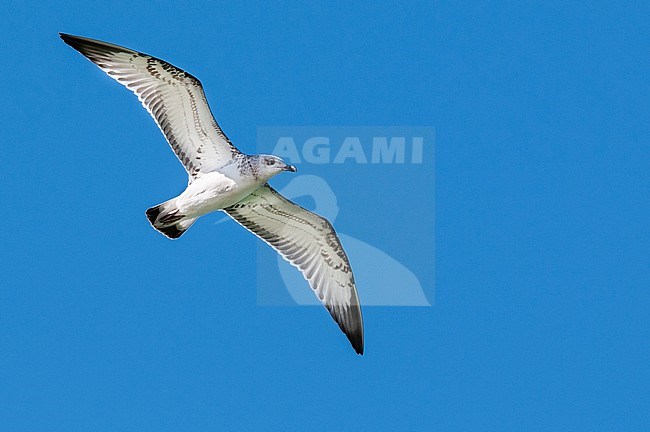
(211, 192)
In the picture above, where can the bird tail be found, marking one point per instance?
(168, 220)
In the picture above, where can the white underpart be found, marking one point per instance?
(213, 191)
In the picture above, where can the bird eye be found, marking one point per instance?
(270, 162)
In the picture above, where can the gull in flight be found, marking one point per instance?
(223, 178)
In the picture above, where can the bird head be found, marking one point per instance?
(269, 165)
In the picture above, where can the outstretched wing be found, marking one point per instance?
(309, 243)
(174, 98)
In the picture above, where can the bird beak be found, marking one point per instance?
(290, 168)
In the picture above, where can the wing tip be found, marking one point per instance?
(70, 39)
(66, 37)
(76, 42)
(353, 329)
(87, 46)
(356, 340)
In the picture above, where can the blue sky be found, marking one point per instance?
(539, 316)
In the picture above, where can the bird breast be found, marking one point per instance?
(210, 192)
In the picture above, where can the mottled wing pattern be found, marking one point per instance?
(174, 98)
(309, 243)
